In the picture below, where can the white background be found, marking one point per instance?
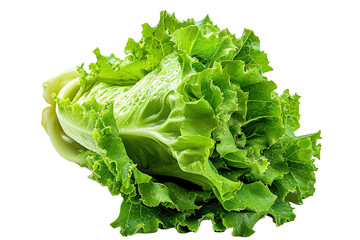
(313, 47)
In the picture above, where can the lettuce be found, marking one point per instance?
(186, 128)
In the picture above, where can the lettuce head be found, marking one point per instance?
(186, 128)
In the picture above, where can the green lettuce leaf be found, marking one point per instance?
(281, 212)
(298, 152)
(250, 53)
(136, 217)
(242, 222)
